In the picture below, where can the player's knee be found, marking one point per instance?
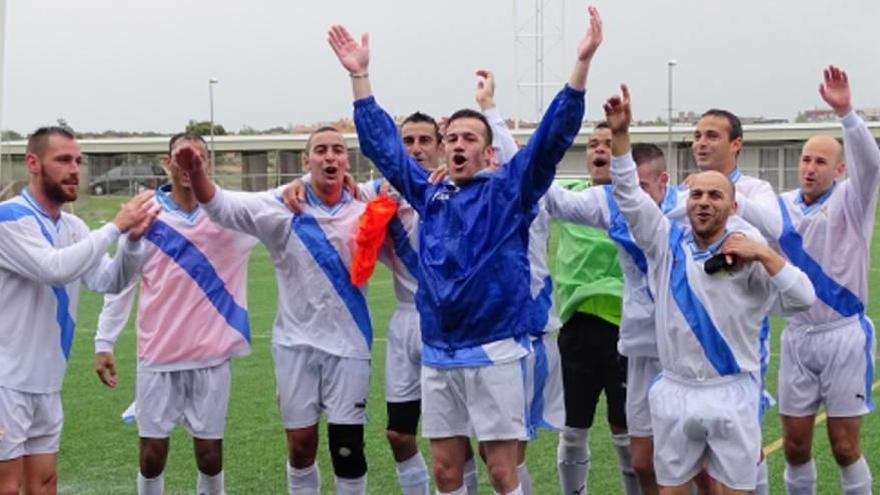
(44, 482)
(10, 485)
(643, 466)
(797, 450)
(401, 442)
(403, 417)
(347, 450)
(501, 474)
(845, 451)
(447, 474)
(153, 454)
(302, 447)
(209, 457)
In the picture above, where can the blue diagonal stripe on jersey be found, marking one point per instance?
(402, 246)
(199, 268)
(67, 325)
(326, 256)
(541, 307)
(835, 295)
(618, 231)
(717, 350)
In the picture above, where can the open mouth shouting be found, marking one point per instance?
(600, 162)
(458, 162)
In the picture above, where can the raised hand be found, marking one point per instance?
(353, 56)
(593, 38)
(618, 112)
(187, 157)
(485, 89)
(835, 90)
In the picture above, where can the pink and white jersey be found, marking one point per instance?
(43, 260)
(193, 298)
(317, 304)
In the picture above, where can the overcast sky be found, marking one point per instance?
(145, 65)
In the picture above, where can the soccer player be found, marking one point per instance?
(191, 320)
(421, 136)
(322, 335)
(473, 244)
(545, 406)
(708, 321)
(596, 207)
(45, 254)
(590, 287)
(825, 228)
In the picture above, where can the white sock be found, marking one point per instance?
(624, 458)
(210, 485)
(855, 479)
(573, 460)
(151, 486)
(412, 474)
(305, 481)
(800, 479)
(516, 491)
(351, 486)
(525, 479)
(462, 490)
(471, 480)
(762, 485)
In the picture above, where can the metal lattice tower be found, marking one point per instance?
(539, 45)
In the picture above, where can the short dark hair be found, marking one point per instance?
(319, 130)
(38, 139)
(602, 124)
(185, 136)
(419, 117)
(467, 113)
(644, 153)
(733, 122)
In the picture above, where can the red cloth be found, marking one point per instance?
(372, 227)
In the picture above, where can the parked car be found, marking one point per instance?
(127, 179)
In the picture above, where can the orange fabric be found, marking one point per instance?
(370, 235)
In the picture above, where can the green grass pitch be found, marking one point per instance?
(99, 453)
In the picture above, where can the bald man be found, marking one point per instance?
(825, 228)
(705, 402)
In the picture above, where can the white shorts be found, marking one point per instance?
(715, 421)
(545, 398)
(196, 399)
(641, 372)
(309, 380)
(403, 356)
(30, 424)
(487, 402)
(830, 364)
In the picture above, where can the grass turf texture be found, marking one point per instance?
(99, 454)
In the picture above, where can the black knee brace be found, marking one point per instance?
(403, 417)
(347, 450)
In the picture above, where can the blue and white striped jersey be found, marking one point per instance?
(707, 325)
(42, 263)
(317, 304)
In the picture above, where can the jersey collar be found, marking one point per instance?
(701, 254)
(313, 200)
(805, 208)
(163, 197)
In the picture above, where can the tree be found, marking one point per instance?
(10, 135)
(203, 128)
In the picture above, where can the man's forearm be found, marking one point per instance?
(772, 261)
(360, 85)
(620, 143)
(578, 79)
(202, 186)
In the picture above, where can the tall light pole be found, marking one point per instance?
(2, 43)
(672, 165)
(211, 83)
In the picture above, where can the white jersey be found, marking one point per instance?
(707, 325)
(192, 311)
(42, 261)
(830, 239)
(317, 304)
(596, 207)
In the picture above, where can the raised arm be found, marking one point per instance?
(112, 275)
(502, 139)
(860, 148)
(588, 207)
(648, 226)
(377, 133)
